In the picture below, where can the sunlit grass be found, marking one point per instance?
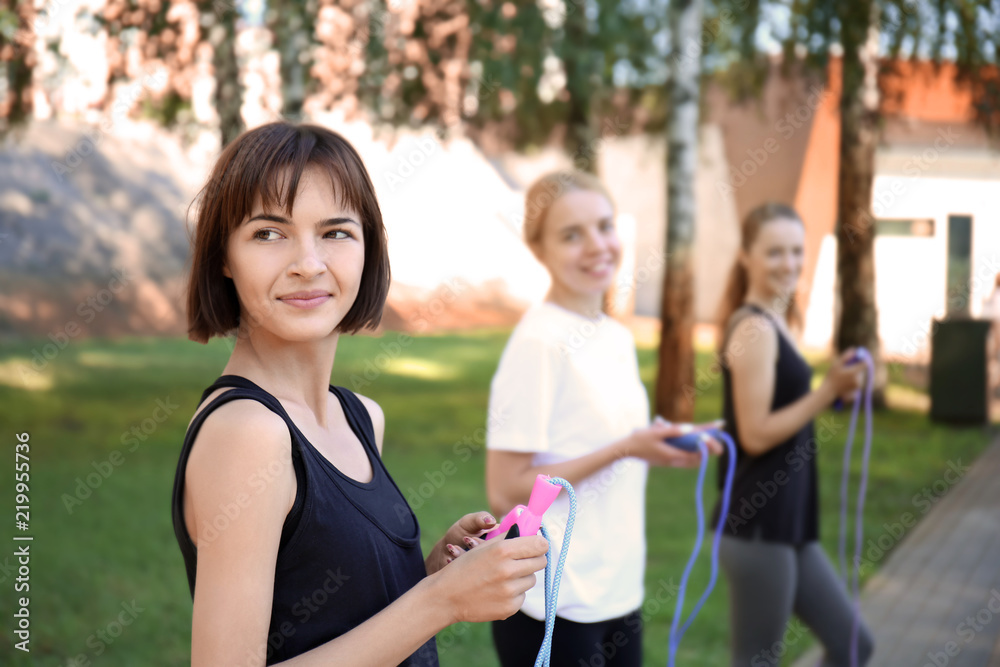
(103, 535)
(18, 372)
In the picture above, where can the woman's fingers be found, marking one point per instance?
(472, 542)
(527, 548)
(714, 446)
(474, 524)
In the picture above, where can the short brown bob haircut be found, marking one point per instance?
(267, 162)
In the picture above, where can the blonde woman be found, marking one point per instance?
(567, 401)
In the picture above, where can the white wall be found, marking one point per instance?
(910, 272)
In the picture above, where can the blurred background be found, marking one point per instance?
(876, 119)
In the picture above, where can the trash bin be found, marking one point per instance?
(958, 381)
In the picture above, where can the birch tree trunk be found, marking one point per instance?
(676, 356)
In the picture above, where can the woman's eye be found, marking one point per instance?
(340, 234)
(262, 234)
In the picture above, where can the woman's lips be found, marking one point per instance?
(311, 302)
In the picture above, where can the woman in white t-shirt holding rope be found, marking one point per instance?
(567, 401)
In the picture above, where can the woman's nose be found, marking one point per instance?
(595, 241)
(308, 263)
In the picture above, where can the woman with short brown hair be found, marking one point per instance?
(298, 545)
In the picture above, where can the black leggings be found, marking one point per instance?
(613, 643)
(768, 581)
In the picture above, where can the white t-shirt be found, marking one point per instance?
(567, 386)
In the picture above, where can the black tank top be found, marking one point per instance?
(347, 550)
(774, 495)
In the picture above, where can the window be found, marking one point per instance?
(959, 263)
(905, 227)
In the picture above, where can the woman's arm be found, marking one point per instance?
(752, 354)
(237, 513)
(377, 417)
(511, 475)
(486, 584)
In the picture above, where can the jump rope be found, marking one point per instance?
(527, 520)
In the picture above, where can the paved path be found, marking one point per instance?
(936, 601)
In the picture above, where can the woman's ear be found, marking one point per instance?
(226, 272)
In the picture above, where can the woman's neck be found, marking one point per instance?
(291, 371)
(585, 305)
(773, 303)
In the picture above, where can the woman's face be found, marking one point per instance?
(579, 244)
(298, 277)
(774, 259)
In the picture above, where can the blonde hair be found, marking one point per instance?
(739, 283)
(544, 192)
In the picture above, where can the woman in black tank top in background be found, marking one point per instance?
(299, 547)
(770, 550)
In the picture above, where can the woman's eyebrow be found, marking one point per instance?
(270, 217)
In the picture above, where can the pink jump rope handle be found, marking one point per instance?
(529, 519)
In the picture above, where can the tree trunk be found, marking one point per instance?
(17, 49)
(674, 400)
(292, 39)
(858, 319)
(579, 65)
(228, 92)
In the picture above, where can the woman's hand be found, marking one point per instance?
(462, 535)
(489, 582)
(648, 444)
(844, 380)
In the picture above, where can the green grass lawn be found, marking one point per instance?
(111, 556)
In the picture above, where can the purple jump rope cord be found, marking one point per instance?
(860, 505)
(675, 636)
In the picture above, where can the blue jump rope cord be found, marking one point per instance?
(853, 582)
(552, 579)
(675, 635)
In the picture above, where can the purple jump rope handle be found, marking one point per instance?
(689, 441)
(855, 358)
